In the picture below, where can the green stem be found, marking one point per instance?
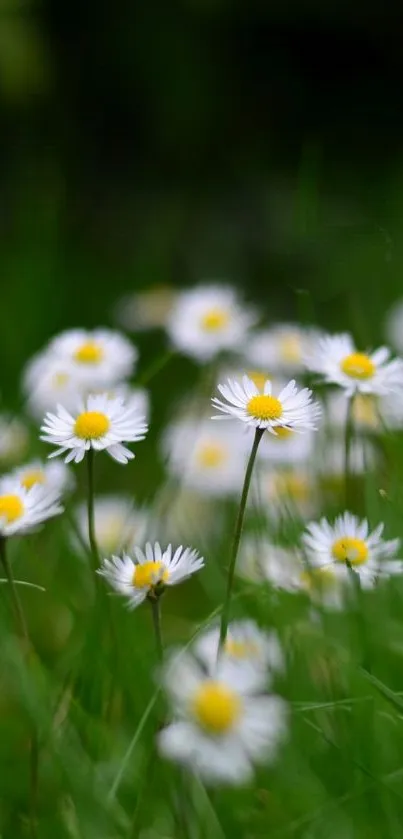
(237, 536)
(156, 616)
(90, 510)
(361, 623)
(155, 367)
(347, 451)
(22, 624)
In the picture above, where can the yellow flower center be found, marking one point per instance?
(365, 410)
(147, 574)
(89, 353)
(259, 379)
(211, 455)
(59, 380)
(214, 320)
(358, 366)
(11, 508)
(318, 579)
(290, 348)
(91, 425)
(283, 433)
(216, 707)
(264, 407)
(350, 550)
(240, 649)
(291, 486)
(31, 478)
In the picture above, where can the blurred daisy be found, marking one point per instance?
(292, 408)
(118, 524)
(349, 542)
(286, 491)
(100, 358)
(282, 348)
(48, 381)
(101, 423)
(223, 724)
(370, 413)
(339, 362)
(22, 509)
(148, 309)
(205, 457)
(245, 643)
(331, 460)
(149, 571)
(207, 320)
(54, 476)
(14, 439)
(287, 446)
(394, 325)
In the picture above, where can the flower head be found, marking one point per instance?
(349, 542)
(99, 358)
(100, 423)
(336, 358)
(207, 320)
(223, 723)
(147, 309)
(118, 524)
(205, 457)
(245, 644)
(54, 476)
(21, 509)
(14, 439)
(149, 570)
(291, 409)
(281, 348)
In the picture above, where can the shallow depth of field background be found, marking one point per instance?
(163, 144)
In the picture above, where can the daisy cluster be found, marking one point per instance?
(282, 419)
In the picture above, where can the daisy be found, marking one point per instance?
(286, 446)
(370, 413)
(100, 423)
(22, 509)
(223, 723)
(282, 348)
(117, 523)
(246, 643)
(55, 476)
(100, 358)
(14, 439)
(148, 309)
(285, 491)
(206, 457)
(292, 408)
(338, 361)
(348, 542)
(150, 571)
(47, 381)
(207, 320)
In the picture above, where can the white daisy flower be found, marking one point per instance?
(100, 357)
(47, 381)
(222, 725)
(286, 446)
(100, 423)
(149, 569)
(339, 362)
(245, 643)
(54, 476)
(394, 325)
(205, 457)
(285, 491)
(22, 509)
(118, 524)
(207, 320)
(371, 413)
(14, 439)
(148, 309)
(292, 408)
(349, 542)
(281, 348)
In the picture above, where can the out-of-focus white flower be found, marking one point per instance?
(287, 446)
(281, 348)
(292, 408)
(48, 381)
(336, 358)
(245, 643)
(100, 358)
(100, 423)
(54, 476)
(349, 542)
(331, 459)
(148, 309)
(370, 413)
(223, 723)
(118, 524)
(22, 509)
(394, 325)
(14, 439)
(285, 491)
(207, 320)
(205, 457)
(139, 577)
(259, 559)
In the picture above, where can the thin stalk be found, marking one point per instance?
(90, 510)
(155, 367)
(347, 451)
(19, 612)
(156, 616)
(361, 623)
(237, 536)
